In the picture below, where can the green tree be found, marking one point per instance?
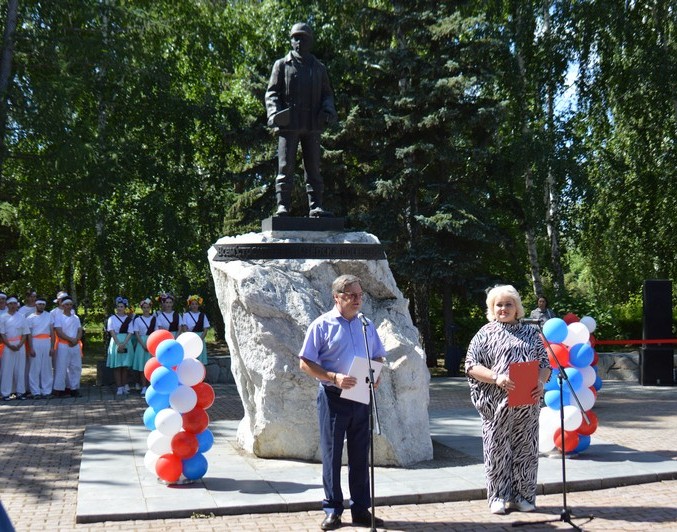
(626, 210)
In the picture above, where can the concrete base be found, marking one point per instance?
(115, 485)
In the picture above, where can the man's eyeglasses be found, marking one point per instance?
(353, 296)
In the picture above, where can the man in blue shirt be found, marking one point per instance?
(331, 343)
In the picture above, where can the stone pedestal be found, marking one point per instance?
(267, 305)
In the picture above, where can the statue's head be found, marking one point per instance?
(301, 38)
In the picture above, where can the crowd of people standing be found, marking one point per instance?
(128, 331)
(41, 351)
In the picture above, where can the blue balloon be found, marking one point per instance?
(583, 443)
(553, 383)
(157, 401)
(205, 440)
(169, 353)
(149, 418)
(598, 383)
(581, 355)
(555, 330)
(552, 399)
(575, 378)
(195, 467)
(164, 380)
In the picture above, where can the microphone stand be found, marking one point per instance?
(374, 424)
(565, 515)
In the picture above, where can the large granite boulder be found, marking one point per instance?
(267, 306)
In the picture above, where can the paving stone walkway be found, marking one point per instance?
(42, 444)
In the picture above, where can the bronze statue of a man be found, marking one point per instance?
(300, 104)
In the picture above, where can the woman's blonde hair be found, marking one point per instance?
(503, 290)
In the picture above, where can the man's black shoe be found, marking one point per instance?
(331, 522)
(364, 519)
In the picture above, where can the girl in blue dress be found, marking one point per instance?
(120, 327)
(144, 324)
(197, 322)
(167, 318)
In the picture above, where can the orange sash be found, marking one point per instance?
(62, 341)
(2, 345)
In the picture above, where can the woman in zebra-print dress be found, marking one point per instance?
(509, 434)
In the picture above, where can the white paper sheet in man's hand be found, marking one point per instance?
(360, 370)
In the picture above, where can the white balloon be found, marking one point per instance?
(191, 372)
(549, 418)
(168, 421)
(149, 460)
(589, 376)
(572, 418)
(590, 323)
(587, 398)
(192, 344)
(183, 399)
(159, 443)
(546, 438)
(577, 334)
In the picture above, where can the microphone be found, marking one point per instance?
(530, 321)
(362, 318)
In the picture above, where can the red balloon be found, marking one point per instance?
(205, 395)
(585, 429)
(169, 467)
(561, 352)
(151, 365)
(592, 340)
(155, 338)
(196, 420)
(185, 445)
(570, 318)
(570, 440)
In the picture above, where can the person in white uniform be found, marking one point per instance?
(68, 357)
(14, 333)
(28, 307)
(59, 298)
(41, 351)
(3, 303)
(3, 312)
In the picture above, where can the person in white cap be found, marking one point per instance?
(3, 303)
(68, 357)
(59, 297)
(41, 351)
(14, 333)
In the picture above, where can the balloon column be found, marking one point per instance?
(573, 344)
(177, 402)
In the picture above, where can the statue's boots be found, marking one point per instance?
(316, 210)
